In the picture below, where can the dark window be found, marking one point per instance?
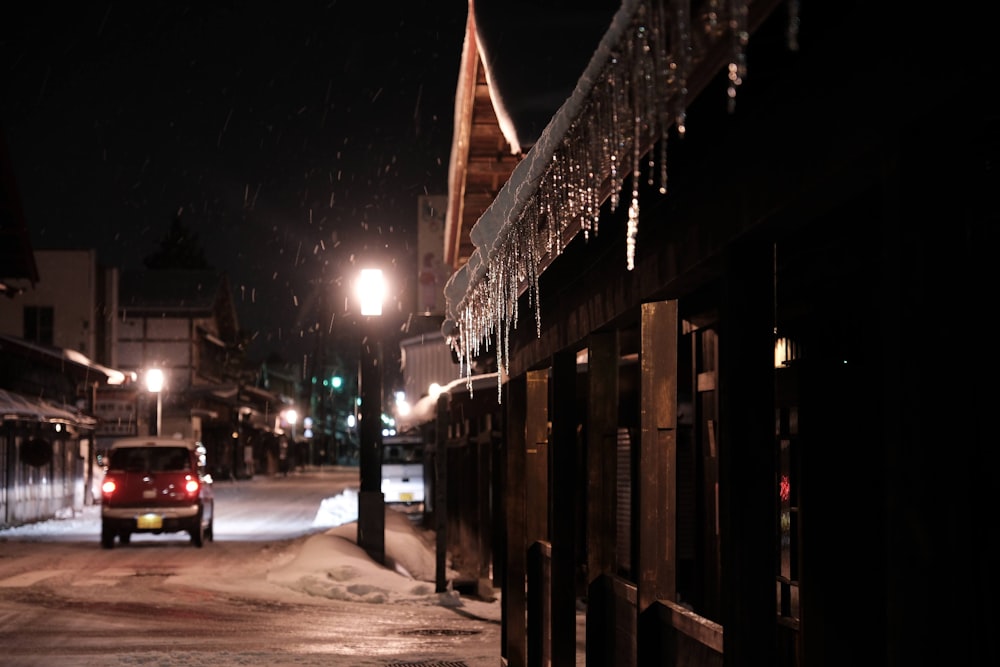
(38, 324)
(403, 453)
(150, 459)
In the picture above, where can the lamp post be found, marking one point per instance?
(371, 502)
(154, 384)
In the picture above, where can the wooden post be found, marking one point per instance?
(656, 517)
(513, 629)
(562, 500)
(602, 435)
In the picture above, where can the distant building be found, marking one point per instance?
(49, 335)
(72, 306)
(183, 321)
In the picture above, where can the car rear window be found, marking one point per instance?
(150, 459)
(402, 453)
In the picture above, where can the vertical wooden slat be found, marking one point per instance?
(440, 499)
(747, 458)
(536, 462)
(563, 458)
(483, 506)
(514, 618)
(537, 507)
(656, 508)
(602, 422)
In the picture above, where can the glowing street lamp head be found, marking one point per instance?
(154, 380)
(371, 291)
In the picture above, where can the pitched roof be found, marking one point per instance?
(596, 139)
(170, 290)
(510, 35)
(180, 293)
(20, 408)
(69, 361)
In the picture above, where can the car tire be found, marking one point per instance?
(107, 537)
(124, 538)
(198, 533)
(210, 531)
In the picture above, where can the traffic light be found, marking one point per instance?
(335, 382)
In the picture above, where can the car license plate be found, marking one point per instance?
(149, 521)
(406, 497)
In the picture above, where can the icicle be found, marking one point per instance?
(641, 93)
(632, 231)
(739, 37)
(681, 45)
(712, 17)
(613, 139)
(663, 166)
(793, 25)
(663, 90)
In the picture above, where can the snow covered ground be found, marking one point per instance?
(325, 563)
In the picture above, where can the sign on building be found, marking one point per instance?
(432, 273)
(116, 411)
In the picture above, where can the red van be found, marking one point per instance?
(156, 485)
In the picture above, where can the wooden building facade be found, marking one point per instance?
(750, 442)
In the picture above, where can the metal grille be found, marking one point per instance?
(440, 631)
(623, 519)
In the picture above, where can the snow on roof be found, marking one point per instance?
(633, 90)
(63, 355)
(510, 34)
(15, 407)
(425, 409)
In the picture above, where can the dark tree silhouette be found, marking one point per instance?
(179, 249)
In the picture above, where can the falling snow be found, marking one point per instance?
(272, 126)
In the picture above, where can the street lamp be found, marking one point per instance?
(290, 416)
(154, 384)
(371, 503)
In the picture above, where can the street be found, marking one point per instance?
(253, 596)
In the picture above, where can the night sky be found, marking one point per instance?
(292, 137)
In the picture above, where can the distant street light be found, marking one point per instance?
(288, 421)
(371, 501)
(154, 384)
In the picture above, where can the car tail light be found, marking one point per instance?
(108, 487)
(191, 486)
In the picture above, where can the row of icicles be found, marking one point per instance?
(640, 95)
